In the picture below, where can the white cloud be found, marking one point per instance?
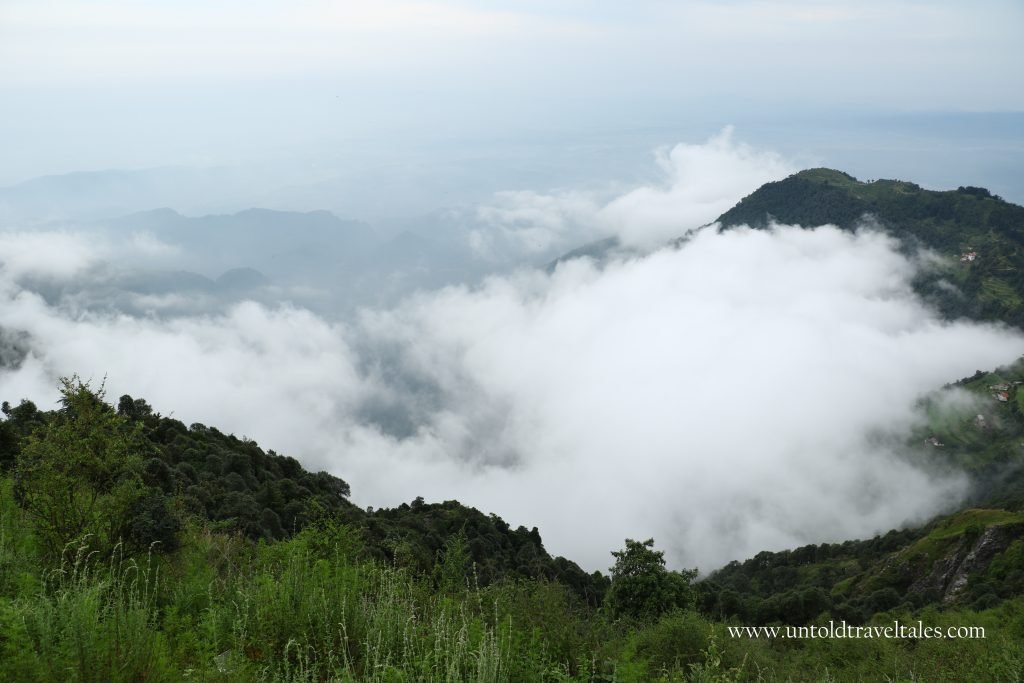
(148, 244)
(535, 224)
(697, 183)
(279, 375)
(701, 183)
(63, 255)
(725, 398)
(719, 397)
(47, 254)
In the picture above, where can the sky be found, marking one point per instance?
(328, 90)
(746, 391)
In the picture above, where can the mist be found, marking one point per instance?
(739, 391)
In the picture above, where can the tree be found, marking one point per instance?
(77, 477)
(453, 564)
(642, 587)
(19, 421)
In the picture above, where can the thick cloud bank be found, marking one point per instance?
(727, 397)
(730, 396)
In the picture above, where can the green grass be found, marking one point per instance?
(954, 425)
(957, 524)
(948, 533)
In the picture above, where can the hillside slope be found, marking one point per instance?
(972, 558)
(198, 472)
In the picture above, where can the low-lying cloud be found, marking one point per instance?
(748, 390)
(726, 397)
(723, 397)
(55, 254)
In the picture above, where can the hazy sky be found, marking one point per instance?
(118, 83)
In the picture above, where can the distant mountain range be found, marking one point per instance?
(278, 243)
(94, 195)
(356, 263)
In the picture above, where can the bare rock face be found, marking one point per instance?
(994, 540)
(971, 556)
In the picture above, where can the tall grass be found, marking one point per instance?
(86, 621)
(308, 618)
(310, 609)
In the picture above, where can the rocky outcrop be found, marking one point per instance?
(971, 556)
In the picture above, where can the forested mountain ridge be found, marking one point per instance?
(199, 472)
(980, 235)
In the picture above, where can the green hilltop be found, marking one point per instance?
(980, 236)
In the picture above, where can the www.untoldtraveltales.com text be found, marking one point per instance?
(844, 630)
